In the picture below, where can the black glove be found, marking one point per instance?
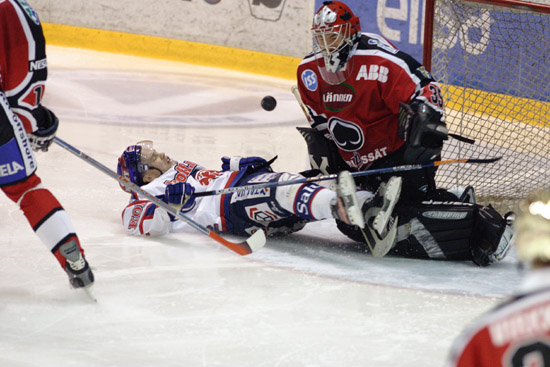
(422, 129)
(42, 138)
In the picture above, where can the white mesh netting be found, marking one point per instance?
(493, 63)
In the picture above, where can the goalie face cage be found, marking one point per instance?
(492, 59)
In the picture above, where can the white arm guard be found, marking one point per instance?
(145, 218)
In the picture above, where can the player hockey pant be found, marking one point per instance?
(47, 218)
(278, 210)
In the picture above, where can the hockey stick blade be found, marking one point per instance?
(407, 167)
(469, 160)
(254, 243)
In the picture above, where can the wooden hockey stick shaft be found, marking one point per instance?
(252, 244)
(407, 167)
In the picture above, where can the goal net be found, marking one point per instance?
(492, 59)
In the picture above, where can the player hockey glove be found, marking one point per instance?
(251, 164)
(42, 138)
(180, 193)
(422, 129)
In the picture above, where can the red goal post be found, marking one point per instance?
(492, 59)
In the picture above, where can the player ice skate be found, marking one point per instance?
(279, 210)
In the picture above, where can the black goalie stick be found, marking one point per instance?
(252, 244)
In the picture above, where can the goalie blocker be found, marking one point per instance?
(438, 226)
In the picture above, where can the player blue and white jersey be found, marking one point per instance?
(277, 210)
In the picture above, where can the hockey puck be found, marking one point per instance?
(269, 103)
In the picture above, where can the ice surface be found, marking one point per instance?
(310, 299)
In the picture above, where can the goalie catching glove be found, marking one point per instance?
(422, 129)
(42, 138)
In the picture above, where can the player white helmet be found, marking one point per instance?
(335, 33)
(533, 229)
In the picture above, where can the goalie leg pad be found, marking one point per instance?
(436, 230)
(449, 230)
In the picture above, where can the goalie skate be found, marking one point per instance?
(506, 240)
(347, 207)
(381, 227)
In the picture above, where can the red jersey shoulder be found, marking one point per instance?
(515, 334)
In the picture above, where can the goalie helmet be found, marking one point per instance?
(336, 31)
(131, 165)
(533, 229)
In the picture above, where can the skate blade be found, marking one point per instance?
(392, 193)
(380, 247)
(353, 211)
(89, 290)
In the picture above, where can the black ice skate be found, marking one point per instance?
(381, 226)
(346, 208)
(77, 268)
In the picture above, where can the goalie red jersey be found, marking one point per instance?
(358, 106)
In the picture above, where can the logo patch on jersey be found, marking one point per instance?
(304, 197)
(309, 78)
(30, 11)
(250, 194)
(338, 97)
(206, 176)
(9, 169)
(38, 64)
(373, 72)
(261, 213)
(136, 213)
(425, 73)
(184, 171)
(360, 160)
(347, 135)
(13, 158)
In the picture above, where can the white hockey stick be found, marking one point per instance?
(252, 244)
(294, 90)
